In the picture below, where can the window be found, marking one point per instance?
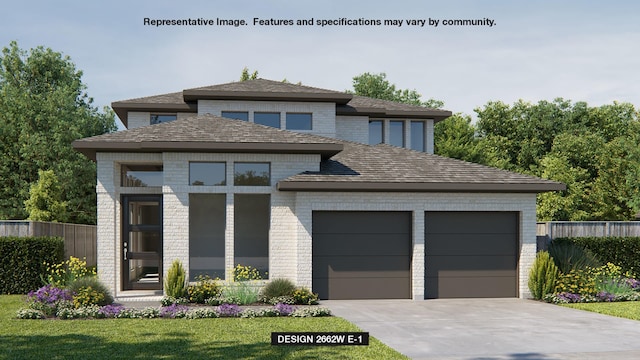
(268, 119)
(160, 118)
(238, 115)
(376, 132)
(141, 175)
(207, 222)
(251, 214)
(417, 135)
(298, 121)
(208, 173)
(252, 174)
(396, 133)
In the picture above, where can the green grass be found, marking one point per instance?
(628, 309)
(169, 338)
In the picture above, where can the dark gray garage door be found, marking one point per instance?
(471, 254)
(362, 255)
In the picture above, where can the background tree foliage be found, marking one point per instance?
(377, 86)
(43, 108)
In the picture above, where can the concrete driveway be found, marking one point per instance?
(484, 329)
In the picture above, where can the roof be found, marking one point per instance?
(387, 168)
(208, 133)
(269, 90)
(345, 166)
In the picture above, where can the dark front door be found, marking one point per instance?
(142, 242)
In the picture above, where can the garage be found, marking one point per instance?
(471, 254)
(361, 254)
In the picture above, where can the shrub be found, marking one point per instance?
(282, 300)
(304, 296)
(245, 273)
(22, 262)
(30, 314)
(89, 291)
(581, 282)
(204, 289)
(240, 293)
(176, 284)
(66, 272)
(543, 275)
(49, 299)
(278, 287)
(311, 312)
(569, 256)
(622, 251)
(169, 300)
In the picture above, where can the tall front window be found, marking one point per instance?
(396, 133)
(268, 119)
(252, 214)
(417, 136)
(141, 175)
(252, 174)
(376, 132)
(207, 222)
(238, 115)
(160, 118)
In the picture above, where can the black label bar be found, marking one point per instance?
(319, 338)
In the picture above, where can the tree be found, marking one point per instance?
(45, 199)
(378, 87)
(245, 75)
(43, 108)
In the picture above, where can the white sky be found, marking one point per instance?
(579, 50)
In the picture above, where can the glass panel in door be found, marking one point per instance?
(142, 242)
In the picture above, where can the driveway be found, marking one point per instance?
(484, 329)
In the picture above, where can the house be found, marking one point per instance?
(337, 192)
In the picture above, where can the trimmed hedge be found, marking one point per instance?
(22, 261)
(622, 251)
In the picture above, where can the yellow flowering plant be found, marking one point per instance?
(66, 272)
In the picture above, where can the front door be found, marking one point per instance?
(142, 242)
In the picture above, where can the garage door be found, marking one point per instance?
(361, 255)
(471, 254)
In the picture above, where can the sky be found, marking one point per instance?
(535, 50)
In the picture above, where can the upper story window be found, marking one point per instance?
(238, 115)
(252, 174)
(160, 118)
(297, 121)
(417, 136)
(141, 175)
(396, 133)
(376, 132)
(267, 118)
(208, 173)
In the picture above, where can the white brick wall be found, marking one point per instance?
(139, 118)
(353, 128)
(323, 114)
(525, 204)
(291, 214)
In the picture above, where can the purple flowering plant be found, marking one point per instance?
(605, 296)
(284, 309)
(633, 283)
(173, 311)
(229, 310)
(49, 299)
(111, 310)
(569, 297)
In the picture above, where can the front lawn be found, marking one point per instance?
(629, 310)
(223, 338)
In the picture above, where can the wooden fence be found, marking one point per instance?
(79, 240)
(548, 231)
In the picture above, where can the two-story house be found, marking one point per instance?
(337, 192)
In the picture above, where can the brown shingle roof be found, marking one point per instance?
(388, 168)
(262, 89)
(361, 105)
(269, 90)
(208, 133)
